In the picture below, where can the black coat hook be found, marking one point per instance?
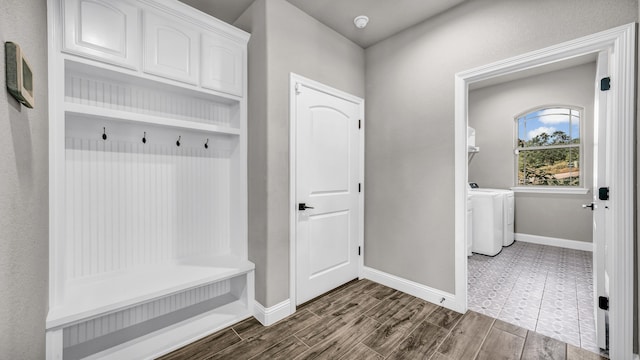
(104, 133)
(178, 142)
(206, 145)
(144, 138)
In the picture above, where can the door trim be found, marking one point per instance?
(619, 43)
(294, 80)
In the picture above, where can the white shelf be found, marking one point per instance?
(105, 113)
(96, 67)
(178, 335)
(473, 149)
(98, 295)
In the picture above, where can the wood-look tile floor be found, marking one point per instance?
(366, 320)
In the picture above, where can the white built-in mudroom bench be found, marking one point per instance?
(148, 178)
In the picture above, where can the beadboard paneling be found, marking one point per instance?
(92, 329)
(134, 204)
(112, 91)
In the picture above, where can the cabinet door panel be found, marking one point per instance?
(171, 49)
(104, 30)
(222, 62)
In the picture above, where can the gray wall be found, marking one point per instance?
(24, 205)
(286, 40)
(491, 112)
(409, 215)
(253, 20)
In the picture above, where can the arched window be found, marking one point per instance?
(548, 147)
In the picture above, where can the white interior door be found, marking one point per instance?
(327, 184)
(601, 264)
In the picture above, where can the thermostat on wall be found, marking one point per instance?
(19, 74)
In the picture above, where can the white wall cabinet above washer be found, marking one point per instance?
(222, 63)
(171, 48)
(103, 30)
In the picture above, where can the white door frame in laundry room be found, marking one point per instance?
(619, 45)
(297, 108)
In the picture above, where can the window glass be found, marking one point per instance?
(548, 147)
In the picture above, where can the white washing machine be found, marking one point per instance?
(508, 212)
(487, 224)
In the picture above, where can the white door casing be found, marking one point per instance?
(619, 46)
(600, 212)
(326, 176)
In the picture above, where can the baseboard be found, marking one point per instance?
(273, 314)
(421, 291)
(563, 243)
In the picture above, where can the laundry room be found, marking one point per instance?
(532, 136)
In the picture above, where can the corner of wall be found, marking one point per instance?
(253, 20)
(24, 209)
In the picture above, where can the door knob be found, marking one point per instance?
(592, 206)
(303, 206)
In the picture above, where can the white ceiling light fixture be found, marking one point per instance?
(361, 21)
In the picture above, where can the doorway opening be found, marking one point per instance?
(534, 136)
(614, 114)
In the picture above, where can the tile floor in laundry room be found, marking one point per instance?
(545, 289)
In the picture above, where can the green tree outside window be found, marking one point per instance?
(548, 147)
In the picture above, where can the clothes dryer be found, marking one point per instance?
(487, 222)
(508, 212)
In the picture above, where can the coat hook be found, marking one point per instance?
(206, 145)
(144, 138)
(104, 133)
(178, 142)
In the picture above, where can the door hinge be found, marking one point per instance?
(605, 84)
(603, 193)
(359, 124)
(603, 302)
(297, 88)
(359, 187)
(359, 250)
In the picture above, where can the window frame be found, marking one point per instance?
(566, 189)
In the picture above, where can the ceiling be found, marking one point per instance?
(225, 10)
(387, 17)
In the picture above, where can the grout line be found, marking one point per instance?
(412, 328)
(368, 347)
(544, 290)
(448, 332)
(303, 343)
(524, 345)
(310, 325)
(578, 311)
(238, 335)
(483, 339)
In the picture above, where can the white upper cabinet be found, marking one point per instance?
(171, 48)
(158, 39)
(103, 30)
(222, 64)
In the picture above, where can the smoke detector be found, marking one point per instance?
(361, 21)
